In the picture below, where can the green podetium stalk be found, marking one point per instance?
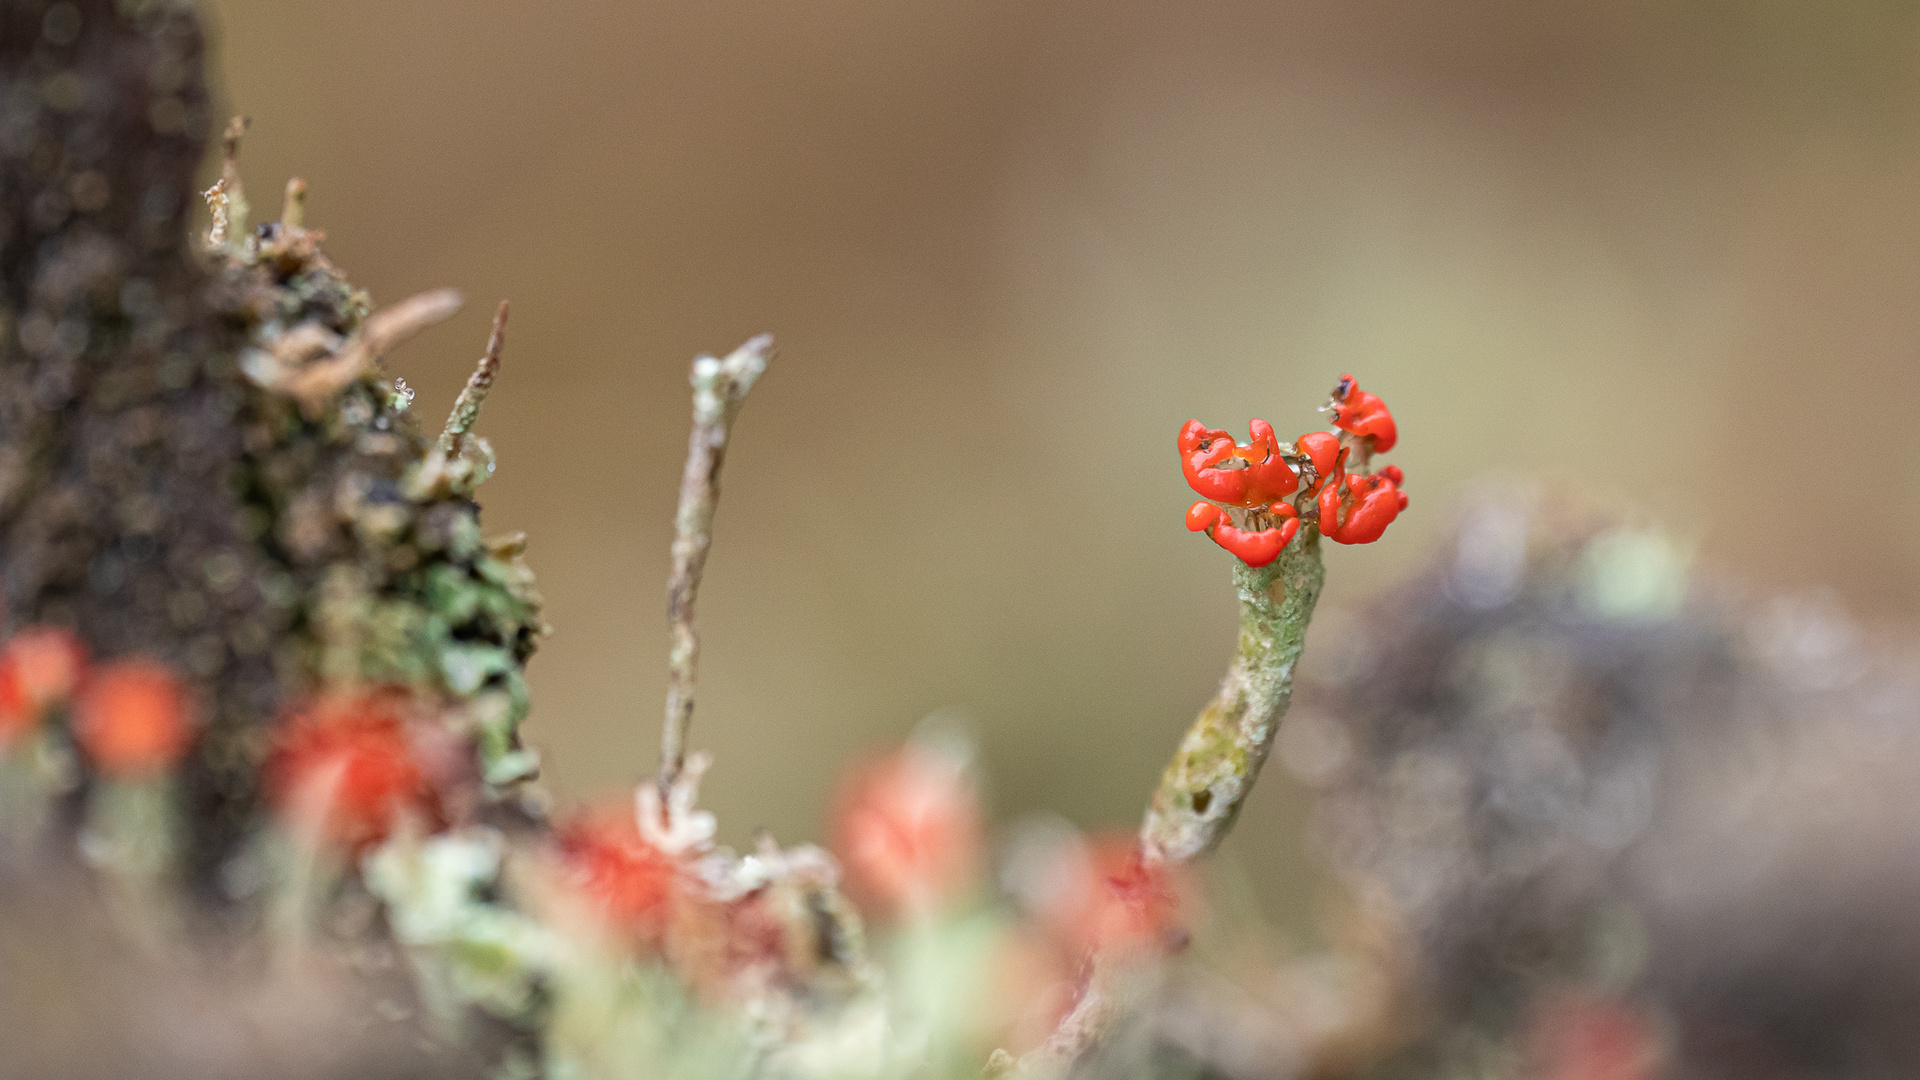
(1214, 769)
(1269, 503)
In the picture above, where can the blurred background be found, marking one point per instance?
(1662, 255)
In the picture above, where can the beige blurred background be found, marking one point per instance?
(1664, 253)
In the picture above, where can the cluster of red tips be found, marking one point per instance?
(131, 718)
(1258, 478)
(1357, 509)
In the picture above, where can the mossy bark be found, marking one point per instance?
(200, 458)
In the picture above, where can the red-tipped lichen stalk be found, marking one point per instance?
(1258, 508)
(1268, 503)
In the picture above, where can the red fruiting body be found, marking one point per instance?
(17, 715)
(1258, 475)
(909, 830)
(346, 767)
(1323, 449)
(1369, 504)
(1352, 509)
(1356, 411)
(1578, 1036)
(1255, 547)
(1127, 903)
(48, 662)
(39, 668)
(628, 881)
(131, 719)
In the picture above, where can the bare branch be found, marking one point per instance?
(293, 208)
(719, 386)
(227, 198)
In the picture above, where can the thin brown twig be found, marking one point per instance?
(466, 408)
(719, 386)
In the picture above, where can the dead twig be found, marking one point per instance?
(719, 387)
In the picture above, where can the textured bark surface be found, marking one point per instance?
(201, 459)
(117, 389)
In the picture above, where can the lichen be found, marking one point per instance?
(1214, 769)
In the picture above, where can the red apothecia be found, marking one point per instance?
(1254, 500)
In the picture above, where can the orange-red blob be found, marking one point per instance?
(132, 719)
(1362, 413)
(1323, 449)
(1246, 476)
(48, 661)
(1201, 515)
(346, 767)
(17, 714)
(39, 668)
(626, 880)
(1124, 902)
(908, 831)
(1358, 509)
(1578, 1036)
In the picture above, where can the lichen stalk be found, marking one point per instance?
(719, 388)
(1214, 769)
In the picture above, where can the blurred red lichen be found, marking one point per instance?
(16, 716)
(1136, 902)
(1579, 1036)
(346, 766)
(1116, 900)
(907, 829)
(132, 718)
(39, 668)
(625, 880)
